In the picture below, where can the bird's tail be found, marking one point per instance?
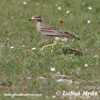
(72, 36)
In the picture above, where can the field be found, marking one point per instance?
(27, 70)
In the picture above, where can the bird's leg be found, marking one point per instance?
(52, 45)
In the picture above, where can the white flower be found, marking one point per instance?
(52, 69)
(24, 3)
(59, 8)
(89, 21)
(90, 8)
(33, 48)
(86, 65)
(67, 12)
(11, 47)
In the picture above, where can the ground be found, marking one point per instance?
(25, 69)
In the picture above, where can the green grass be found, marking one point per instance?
(19, 63)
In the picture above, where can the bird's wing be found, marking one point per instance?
(54, 31)
(67, 34)
(49, 30)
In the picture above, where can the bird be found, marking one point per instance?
(50, 31)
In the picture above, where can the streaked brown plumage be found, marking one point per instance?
(49, 30)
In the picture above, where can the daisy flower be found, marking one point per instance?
(24, 3)
(86, 65)
(90, 8)
(33, 48)
(67, 12)
(59, 8)
(89, 21)
(11, 47)
(52, 69)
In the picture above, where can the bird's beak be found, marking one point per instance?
(32, 18)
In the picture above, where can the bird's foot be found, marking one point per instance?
(52, 46)
(45, 47)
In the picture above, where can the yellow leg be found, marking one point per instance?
(52, 45)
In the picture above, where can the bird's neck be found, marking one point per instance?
(38, 25)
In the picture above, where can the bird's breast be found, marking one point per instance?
(38, 26)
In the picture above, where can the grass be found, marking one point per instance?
(21, 68)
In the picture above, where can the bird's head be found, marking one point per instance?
(36, 18)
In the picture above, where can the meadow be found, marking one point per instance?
(26, 69)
